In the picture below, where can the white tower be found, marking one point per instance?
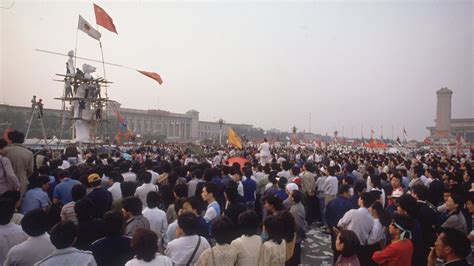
(443, 110)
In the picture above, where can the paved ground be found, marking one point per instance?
(316, 249)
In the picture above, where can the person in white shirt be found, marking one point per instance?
(273, 250)
(149, 168)
(35, 224)
(248, 245)
(63, 236)
(114, 186)
(376, 238)
(213, 209)
(127, 175)
(156, 217)
(143, 190)
(187, 247)
(330, 186)
(359, 220)
(264, 149)
(144, 244)
(10, 234)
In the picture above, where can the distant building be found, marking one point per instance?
(447, 128)
(174, 126)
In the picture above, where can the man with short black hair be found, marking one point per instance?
(36, 197)
(21, 158)
(452, 246)
(132, 212)
(100, 196)
(35, 224)
(114, 248)
(62, 191)
(63, 236)
(10, 233)
(155, 216)
(213, 209)
(143, 190)
(186, 249)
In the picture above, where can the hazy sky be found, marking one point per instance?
(270, 64)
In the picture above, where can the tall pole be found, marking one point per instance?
(309, 122)
(220, 121)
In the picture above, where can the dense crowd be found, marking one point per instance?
(164, 205)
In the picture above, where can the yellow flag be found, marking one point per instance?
(233, 138)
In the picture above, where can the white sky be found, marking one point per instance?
(270, 64)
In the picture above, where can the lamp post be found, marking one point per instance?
(220, 121)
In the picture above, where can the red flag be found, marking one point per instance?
(103, 19)
(152, 75)
(118, 137)
(5, 135)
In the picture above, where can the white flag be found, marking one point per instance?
(87, 28)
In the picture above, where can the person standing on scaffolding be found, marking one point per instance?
(40, 108)
(33, 103)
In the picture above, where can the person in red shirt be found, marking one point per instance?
(400, 250)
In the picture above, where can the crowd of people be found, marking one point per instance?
(163, 205)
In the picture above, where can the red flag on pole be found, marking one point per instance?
(152, 75)
(103, 19)
(5, 135)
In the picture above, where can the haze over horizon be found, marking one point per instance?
(269, 64)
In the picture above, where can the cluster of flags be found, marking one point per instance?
(103, 19)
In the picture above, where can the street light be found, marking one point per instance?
(220, 121)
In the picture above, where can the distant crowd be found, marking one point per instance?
(164, 205)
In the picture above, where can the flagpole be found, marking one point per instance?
(75, 49)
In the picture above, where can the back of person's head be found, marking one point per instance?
(376, 181)
(153, 199)
(124, 166)
(128, 189)
(145, 177)
(3, 143)
(381, 213)
(181, 190)
(359, 187)
(63, 174)
(248, 172)
(248, 223)
(145, 244)
(367, 199)
(296, 195)
(457, 241)
(408, 203)
(459, 200)
(232, 194)
(295, 170)
(63, 234)
(222, 230)
(289, 224)
(421, 192)
(282, 182)
(16, 136)
(7, 209)
(35, 222)
(14, 195)
(274, 227)
(85, 209)
(344, 188)
(274, 201)
(39, 181)
(331, 170)
(197, 173)
(351, 243)
(116, 176)
(211, 188)
(149, 164)
(113, 223)
(188, 223)
(78, 192)
(132, 205)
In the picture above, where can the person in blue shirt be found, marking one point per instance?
(36, 197)
(62, 192)
(250, 189)
(281, 193)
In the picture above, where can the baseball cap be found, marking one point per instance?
(93, 177)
